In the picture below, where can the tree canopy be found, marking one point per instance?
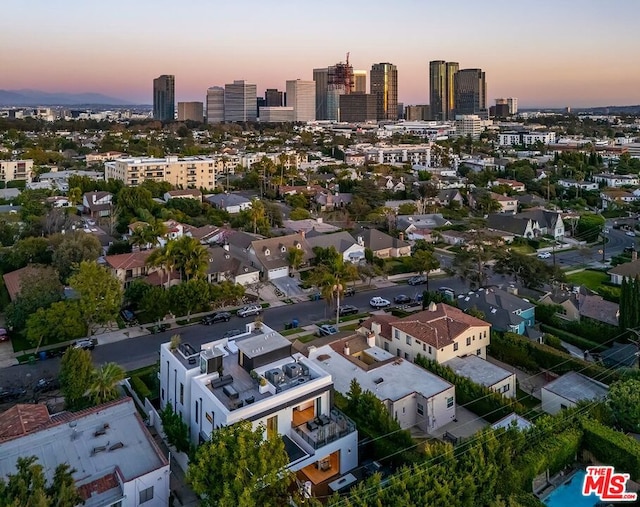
(76, 372)
(238, 467)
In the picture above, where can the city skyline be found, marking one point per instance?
(553, 55)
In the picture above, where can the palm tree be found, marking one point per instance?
(188, 256)
(332, 280)
(256, 213)
(295, 256)
(159, 259)
(104, 384)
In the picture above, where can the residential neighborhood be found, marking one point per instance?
(349, 300)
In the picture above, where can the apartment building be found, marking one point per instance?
(198, 172)
(415, 154)
(11, 170)
(257, 377)
(525, 138)
(440, 332)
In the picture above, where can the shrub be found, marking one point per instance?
(141, 389)
(554, 342)
(571, 338)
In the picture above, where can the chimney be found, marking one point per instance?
(226, 246)
(303, 233)
(634, 255)
(347, 350)
(360, 241)
(432, 307)
(371, 339)
(401, 236)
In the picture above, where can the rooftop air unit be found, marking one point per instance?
(275, 376)
(292, 370)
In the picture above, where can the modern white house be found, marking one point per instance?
(115, 459)
(426, 401)
(342, 241)
(255, 376)
(231, 203)
(486, 374)
(566, 391)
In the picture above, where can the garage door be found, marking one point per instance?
(278, 273)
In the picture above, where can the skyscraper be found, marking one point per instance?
(441, 89)
(273, 98)
(215, 104)
(321, 78)
(164, 98)
(384, 85)
(359, 81)
(301, 95)
(240, 102)
(190, 111)
(471, 92)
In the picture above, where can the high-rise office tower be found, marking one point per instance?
(512, 102)
(164, 98)
(471, 92)
(358, 107)
(240, 102)
(441, 89)
(339, 82)
(273, 98)
(359, 81)
(321, 78)
(215, 104)
(190, 111)
(384, 85)
(301, 95)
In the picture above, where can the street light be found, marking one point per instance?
(337, 289)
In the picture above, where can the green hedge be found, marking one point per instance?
(553, 453)
(533, 356)
(481, 400)
(141, 389)
(612, 447)
(573, 339)
(589, 330)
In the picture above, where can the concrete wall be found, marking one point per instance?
(552, 403)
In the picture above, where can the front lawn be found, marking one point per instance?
(589, 278)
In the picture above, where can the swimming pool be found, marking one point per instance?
(570, 493)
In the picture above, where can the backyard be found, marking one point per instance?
(592, 279)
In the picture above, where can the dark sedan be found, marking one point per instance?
(402, 299)
(348, 310)
(216, 317)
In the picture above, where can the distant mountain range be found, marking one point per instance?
(40, 98)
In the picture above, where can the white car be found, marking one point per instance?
(544, 255)
(378, 302)
(631, 233)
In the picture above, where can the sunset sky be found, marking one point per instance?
(547, 52)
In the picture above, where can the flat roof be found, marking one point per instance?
(512, 420)
(262, 343)
(575, 387)
(478, 370)
(391, 381)
(89, 441)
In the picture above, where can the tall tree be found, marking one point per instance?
(295, 256)
(331, 279)
(473, 259)
(624, 402)
(76, 371)
(238, 467)
(188, 257)
(73, 248)
(27, 487)
(424, 261)
(100, 294)
(60, 322)
(105, 381)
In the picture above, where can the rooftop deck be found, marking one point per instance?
(325, 429)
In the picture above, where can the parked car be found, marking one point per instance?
(128, 316)
(544, 255)
(347, 310)
(378, 302)
(629, 249)
(216, 317)
(249, 311)
(402, 299)
(417, 280)
(159, 328)
(232, 332)
(349, 291)
(631, 233)
(11, 393)
(44, 385)
(327, 329)
(4, 336)
(84, 344)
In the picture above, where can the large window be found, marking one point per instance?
(455, 346)
(272, 426)
(146, 495)
(420, 409)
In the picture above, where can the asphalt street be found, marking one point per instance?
(142, 351)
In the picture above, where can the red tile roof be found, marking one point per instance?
(128, 260)
(13, 279)
(98, 486)
(22, 419)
